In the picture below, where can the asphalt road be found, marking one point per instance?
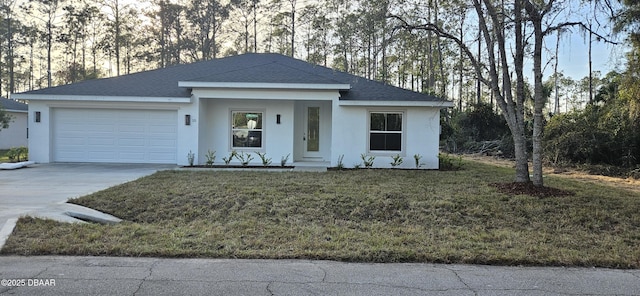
(153, 276)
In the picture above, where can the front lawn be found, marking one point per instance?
(356, 215)
(3, 155)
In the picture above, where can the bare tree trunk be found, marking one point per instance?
(461, 65)
(512, 110)
(293, 26)
(443, 85)
(478, 86)
(520, 139)
(535, 17)
(117, 37)
(590, 68)
(49, 45)
(556, 108)
(255, 26)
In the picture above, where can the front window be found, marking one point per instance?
(246, 129)
(385, 131)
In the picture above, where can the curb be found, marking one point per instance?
(6, 230)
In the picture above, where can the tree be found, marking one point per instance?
(75, 32)
(247, 12)
(627, 20)
(115, 25)
(287, 22)
(318, 26)
(5, 118)
(11, 24)
(48, 9)
(166, 31)
(207, 18)
(502, 29)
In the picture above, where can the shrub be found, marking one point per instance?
(191, 157)
(396, 160)
(18, 154)
(229, 158)
(447, 162)
(284, 159)
(263, 157)
(211, 157)
(367, 160)
(340, 164)
(244, 158)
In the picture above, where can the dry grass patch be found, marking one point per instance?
(356, 215)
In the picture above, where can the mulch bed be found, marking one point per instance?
(518, 188)
(236, 167)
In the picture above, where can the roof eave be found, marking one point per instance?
(264, 85)
(45, 97)
(399, 103)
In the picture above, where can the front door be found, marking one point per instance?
(311, 135)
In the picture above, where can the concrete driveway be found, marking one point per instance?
(34, 189)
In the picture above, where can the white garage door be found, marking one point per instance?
(109, 135)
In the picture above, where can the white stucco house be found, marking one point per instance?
(16, 134)
(266, 103)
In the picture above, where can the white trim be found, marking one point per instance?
(403, 133)
(16, 111)
(43, 97)
(262, 85)
(369, 103)
(263, 146)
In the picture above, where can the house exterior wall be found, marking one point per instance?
(345, 128)
(215, 128)
(280, 139)
(16, 134)
(421, 130)
(40, 133)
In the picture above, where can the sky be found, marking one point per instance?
(574, 56)
(574, 48)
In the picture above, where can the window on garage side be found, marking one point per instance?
(247, 129)
(385, 131)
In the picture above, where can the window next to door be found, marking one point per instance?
(386, 131)
(247, 129)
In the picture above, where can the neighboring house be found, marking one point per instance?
(16, 134)
(265, 103)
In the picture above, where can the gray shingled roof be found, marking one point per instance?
(13, 105)
(248, 68)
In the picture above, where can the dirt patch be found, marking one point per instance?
(625, 183)
(516, 188)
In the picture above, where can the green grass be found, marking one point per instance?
(355, 215)
(3, 155)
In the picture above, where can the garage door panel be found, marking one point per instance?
(104, 128)
(160, 156)
(162, 143)
(110, 135)
(132, 142)
(72, 141)
(132, 156)
(124, 128)
(100, 141)
(99, 156)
